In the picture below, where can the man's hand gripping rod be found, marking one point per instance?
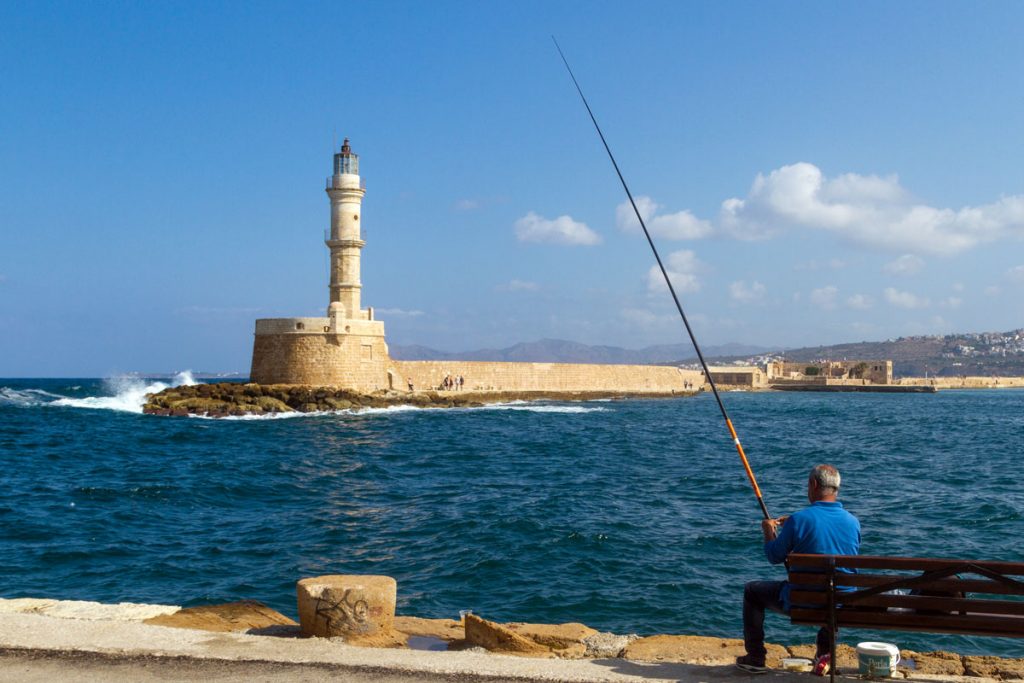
(679, 307)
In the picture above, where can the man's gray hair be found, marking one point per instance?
(826, 476)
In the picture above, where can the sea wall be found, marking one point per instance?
(964, 382)
(564, 377)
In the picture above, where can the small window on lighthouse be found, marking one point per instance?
(355, 217)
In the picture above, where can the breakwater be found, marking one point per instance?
(231, 399)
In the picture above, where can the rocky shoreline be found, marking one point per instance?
(232, 399)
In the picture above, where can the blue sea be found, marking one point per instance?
(629, 516)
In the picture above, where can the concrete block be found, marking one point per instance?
(350, 606)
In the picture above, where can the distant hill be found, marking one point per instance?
(561, 351)
(973, 353)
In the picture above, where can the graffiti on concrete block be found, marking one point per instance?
(347, 613)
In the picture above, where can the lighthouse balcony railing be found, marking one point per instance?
(334, 183)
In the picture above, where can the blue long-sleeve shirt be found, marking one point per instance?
(820, 529)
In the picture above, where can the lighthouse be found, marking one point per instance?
(345, 348)
(345, 190)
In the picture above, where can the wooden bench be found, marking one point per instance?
(878, 595)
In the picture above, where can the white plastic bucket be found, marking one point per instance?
(877, 660)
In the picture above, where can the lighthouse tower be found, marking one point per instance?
(346, 348)
(346, 193)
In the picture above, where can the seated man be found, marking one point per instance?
(823, 528)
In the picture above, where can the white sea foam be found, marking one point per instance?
(128, 394)
(388, 409)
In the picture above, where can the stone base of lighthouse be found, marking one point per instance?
(322, 352)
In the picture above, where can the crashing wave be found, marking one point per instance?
(128, 394)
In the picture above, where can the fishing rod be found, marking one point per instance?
(671, 289)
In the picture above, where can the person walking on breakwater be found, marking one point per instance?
(823, 528)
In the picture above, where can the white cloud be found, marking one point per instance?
(625, 217)
(681, 225)
(740, 291)
(468, 204)
(1016, 274)
(952, 302)
(561, 230)
(398, 312)
(908, 264)
(873, 211)
(860, 302)
(905, 299)
(682, 267)
(958, 287)
(518, 286)
(994, 290)
(825, 297)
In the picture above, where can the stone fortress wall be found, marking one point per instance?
(555, 377)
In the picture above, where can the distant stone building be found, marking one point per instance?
(347, 347)
(873, 371)
(747, 376)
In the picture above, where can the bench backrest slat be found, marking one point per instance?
(819, 600)
(943, 585)
(919, 564)
(952, 623)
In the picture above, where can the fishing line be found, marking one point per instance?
(671, 289)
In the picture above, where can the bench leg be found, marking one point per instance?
(833, 663)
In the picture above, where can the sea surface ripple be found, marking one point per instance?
(630, 516)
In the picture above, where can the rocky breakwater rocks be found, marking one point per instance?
(226, 399)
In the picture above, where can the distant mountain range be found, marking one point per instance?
(561, 351)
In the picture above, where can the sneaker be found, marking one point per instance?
(822, 665)
(751, 664)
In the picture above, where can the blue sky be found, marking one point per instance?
(814, 173)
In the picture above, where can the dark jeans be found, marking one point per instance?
(759, 596)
